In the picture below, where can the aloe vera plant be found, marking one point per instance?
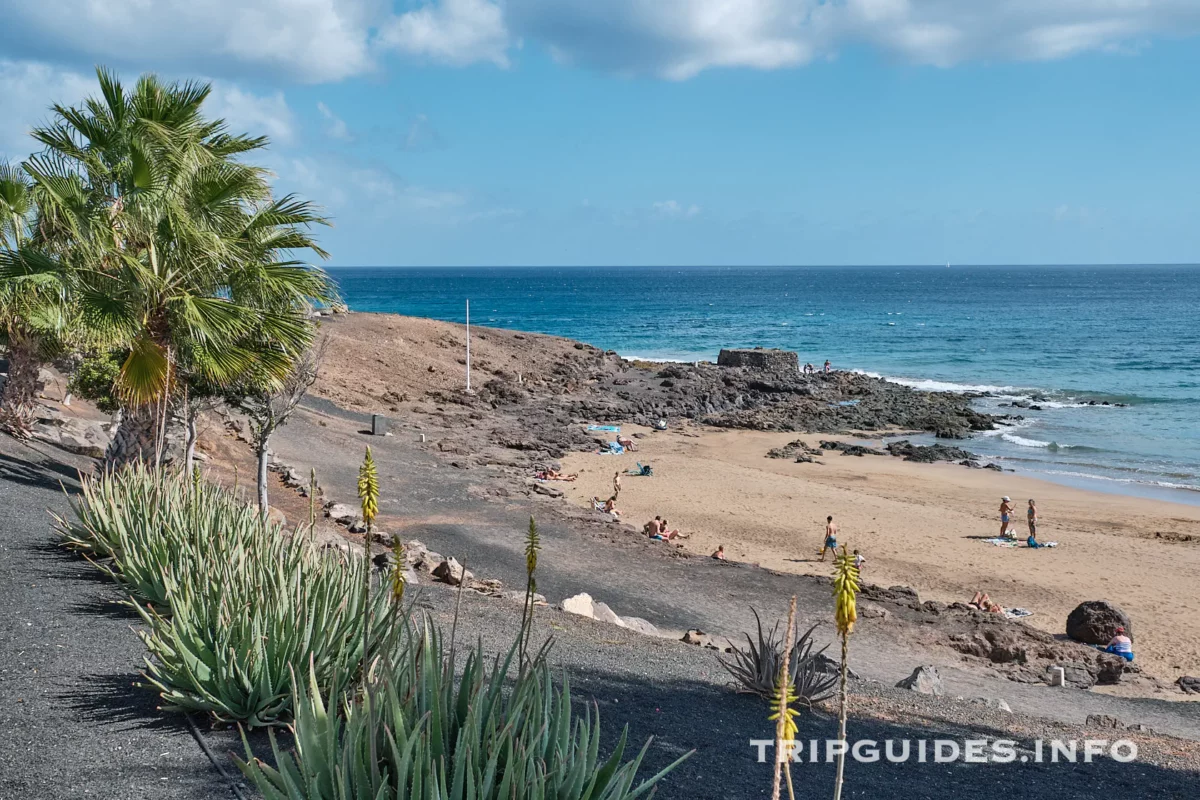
(148, 530)
(427, 735)
(232, 606)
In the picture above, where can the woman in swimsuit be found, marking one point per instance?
(1031, 513)
(1005, 509)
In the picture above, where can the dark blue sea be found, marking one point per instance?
(1070, 334)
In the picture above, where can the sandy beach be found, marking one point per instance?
(921, 525)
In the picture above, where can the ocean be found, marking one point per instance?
(1059, 337)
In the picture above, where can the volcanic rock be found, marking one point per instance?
(1096, 622)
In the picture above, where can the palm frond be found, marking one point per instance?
(145, 375)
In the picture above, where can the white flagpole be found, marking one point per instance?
(468, 346)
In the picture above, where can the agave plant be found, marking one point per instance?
(756, 668)
(427, 735)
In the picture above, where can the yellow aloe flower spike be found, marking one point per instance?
(368, 488)
(845, 592)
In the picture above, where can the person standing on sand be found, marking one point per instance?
(1005, 510)
(831, 530)
(828, 367)
(1032, 514)
(859, 560)
(616, 484)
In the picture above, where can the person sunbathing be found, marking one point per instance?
(719, 555)
(627, 443)
(668, 534)
(984, 603)
(653, 527)
(610, 506)
(554, 475)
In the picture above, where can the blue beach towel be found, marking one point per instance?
(609, 428)
(611, 449)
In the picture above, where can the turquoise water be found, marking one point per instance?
(1127, 334)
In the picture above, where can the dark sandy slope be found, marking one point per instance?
(71, 722)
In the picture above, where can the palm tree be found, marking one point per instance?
(33, 303)
(182, 247)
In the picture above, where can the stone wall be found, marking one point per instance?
(760, 359)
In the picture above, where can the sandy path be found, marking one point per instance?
(921, 525)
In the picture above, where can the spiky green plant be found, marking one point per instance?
(233, 640)
(148, 530)
(429, 735)
(231, 606)
(845, 594)
(756, 667)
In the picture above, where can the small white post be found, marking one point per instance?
(468, 346)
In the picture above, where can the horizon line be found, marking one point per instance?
(760, 266)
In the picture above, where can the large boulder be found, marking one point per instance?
(451, 572)
(1096, 622)
(83, 437)
(341, 513)
(924, 680)
(581, 604)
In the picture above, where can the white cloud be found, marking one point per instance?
(309, 40)
(26, 91)
(456, 32)
(335, 126)
(329, 40)
(256, 115)
(673, 209)
(679, 38)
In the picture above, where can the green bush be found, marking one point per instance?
(232, 607)
(421, 734)
(95, 376)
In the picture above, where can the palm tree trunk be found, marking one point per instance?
(263, 454)
(17, 406)
(136, 437)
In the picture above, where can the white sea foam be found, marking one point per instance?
(659, 359)
(1023, 442)
(1164, 484)
(947, 386)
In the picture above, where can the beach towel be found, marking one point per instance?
(1017, 613)
(1000, 541)
(609, 428)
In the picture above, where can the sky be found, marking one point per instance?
(629, 132)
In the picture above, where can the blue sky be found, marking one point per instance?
(461, 132)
